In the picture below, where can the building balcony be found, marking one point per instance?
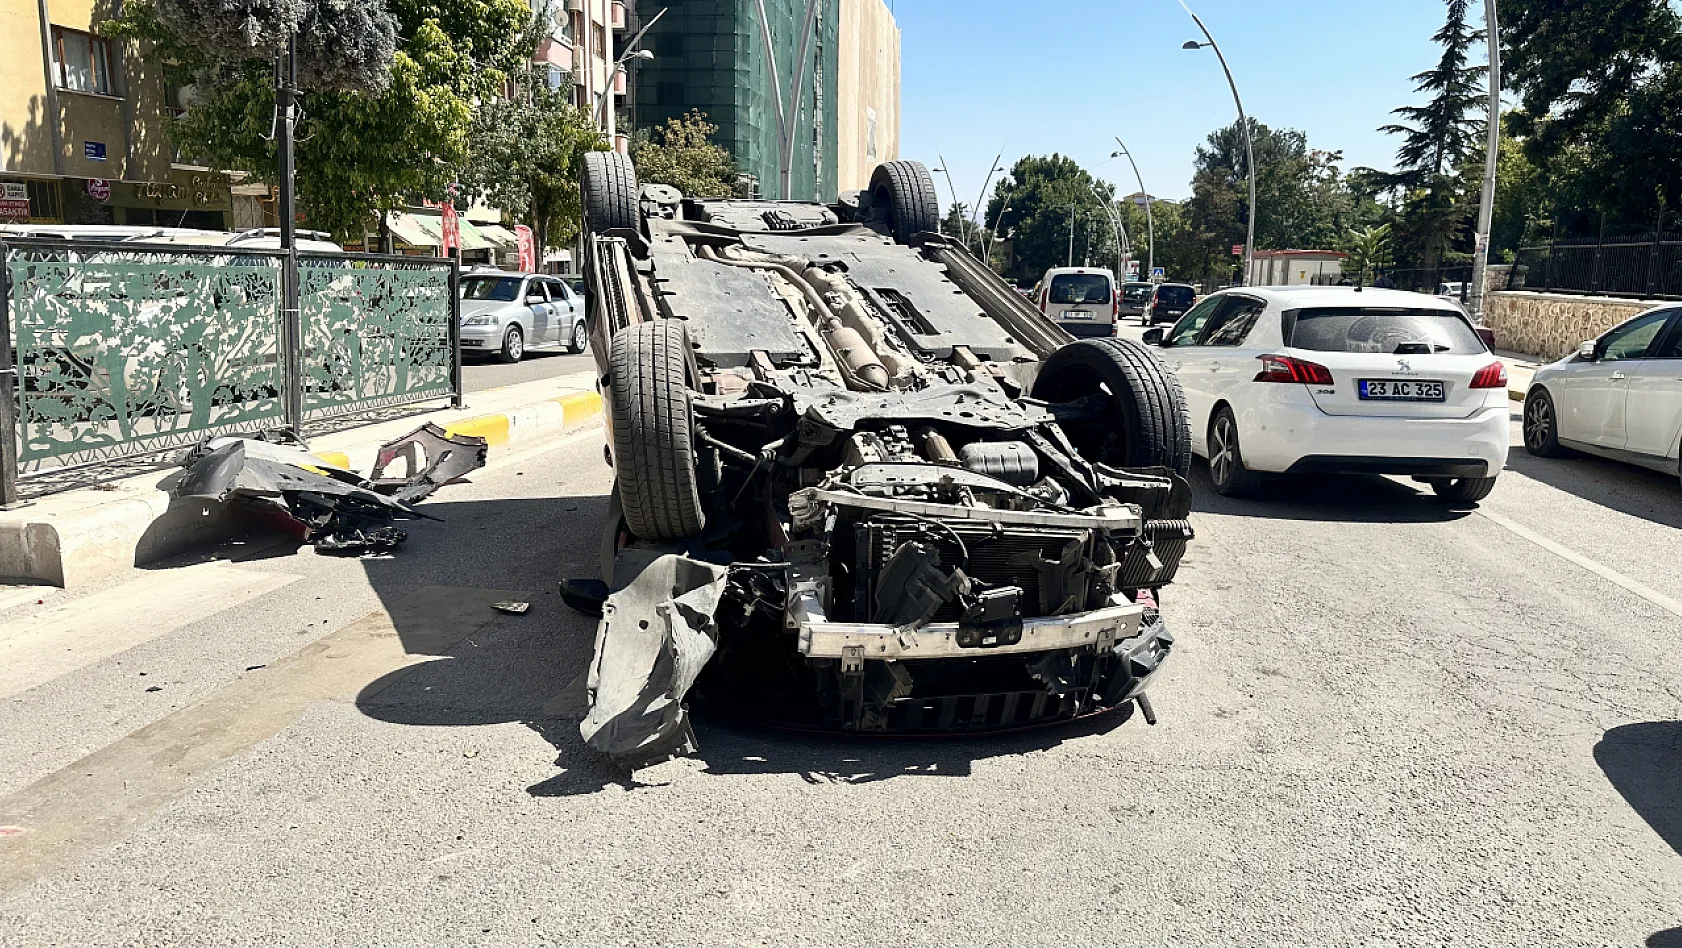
(617, 15)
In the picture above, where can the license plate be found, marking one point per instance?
(1077, 314)
(1399, 390)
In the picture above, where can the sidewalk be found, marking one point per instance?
(1520, 370)
(81, 536)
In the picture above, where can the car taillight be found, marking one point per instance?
(1493, 375)
(1278, 368)
(1115, 307)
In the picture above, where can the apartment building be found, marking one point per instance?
(84, 130)
(580, 53)
(713, 55)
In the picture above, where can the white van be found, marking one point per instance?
(1083, 300)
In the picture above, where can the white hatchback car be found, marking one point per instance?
(1619, 397)
(1335, 379)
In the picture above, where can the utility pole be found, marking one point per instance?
(291, 332)
(1072, 208)
(1491, 158)
(1243, 120)
(787, 114)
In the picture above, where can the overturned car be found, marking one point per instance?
(861, 484)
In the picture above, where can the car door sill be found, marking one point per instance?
(1652, 462)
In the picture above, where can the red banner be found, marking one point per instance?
(528, 248)
(452, 229)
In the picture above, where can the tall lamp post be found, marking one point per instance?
(963, 232)
(993, 234)
(787, 113)
(977, 214)
(1243, 120)
(1118, 231)
(1150, 220)
(606, 118)
(1492, 154)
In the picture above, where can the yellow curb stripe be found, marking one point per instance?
(493, 428)
(578, 407)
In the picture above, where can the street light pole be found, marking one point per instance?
(1150, 220)
(1072, 208)
(292, 334)
(978, 213)
(1118, 230)
(963, 232)
(993, 234)
(606, 117)
(1243, 120)
(1492, 154)
(787, 116)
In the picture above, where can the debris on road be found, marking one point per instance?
(512, 608)
(337, 510)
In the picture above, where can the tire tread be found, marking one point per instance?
(653, 446)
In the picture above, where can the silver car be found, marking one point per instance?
(506, 313)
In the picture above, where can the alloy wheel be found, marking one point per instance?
(1538, 422)
(1221, 454)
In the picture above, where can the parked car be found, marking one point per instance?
(1334, 379)
(860, 485)
(1135, 297)
(1168, 302)
(1618, 397)
(1083, 300)
(506, 313)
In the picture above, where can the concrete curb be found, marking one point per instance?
(80, 537)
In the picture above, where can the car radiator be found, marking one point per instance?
(998, 555)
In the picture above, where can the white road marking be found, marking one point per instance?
(1604, 572)
(34, 651)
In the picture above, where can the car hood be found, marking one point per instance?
(493, 307)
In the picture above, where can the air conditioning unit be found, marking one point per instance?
(576, 6)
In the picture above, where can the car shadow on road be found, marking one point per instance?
(1669, 938)
(1337, 498)
(1625, 488)
(531, 669)
(1644, 764)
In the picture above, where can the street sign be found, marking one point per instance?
(99, 189)
(15, 191)
(1238, 250)
(1159, 273)
(528, 248)
(93, 151)
(11, 209)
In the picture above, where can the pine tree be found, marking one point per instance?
(1445, 130)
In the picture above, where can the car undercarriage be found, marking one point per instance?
(860, 484)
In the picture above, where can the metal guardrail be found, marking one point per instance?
(129, 349)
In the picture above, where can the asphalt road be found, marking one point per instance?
(480, 373)
(1385, 723)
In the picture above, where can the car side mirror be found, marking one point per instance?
(1154, 337)
(1589, 351)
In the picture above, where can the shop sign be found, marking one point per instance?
(452, 228)
(93, 151)
(528, 248)
(99, 189)
(15, 191)
(11, 209)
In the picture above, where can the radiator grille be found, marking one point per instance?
(990, 554)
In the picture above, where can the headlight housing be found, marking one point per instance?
(482, 319)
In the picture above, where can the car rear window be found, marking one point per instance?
(1080, 288)
(1381, 330)
(1174, 295)
(1136, 293)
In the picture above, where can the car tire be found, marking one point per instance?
(1155, 430)
(653, 431)
(1227, 471)
(609, 185)
(580, 339)
(513, 346)
(1541, 425)
(904, 191)
(1462, 490)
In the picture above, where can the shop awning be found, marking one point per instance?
(502, 236)
(472, 238)
(409, 229)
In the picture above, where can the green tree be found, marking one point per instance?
(1444, 132)
(528, 152)
(682, 153)
(1369, 249)
(1046, 199)
(1600, 117)
(359, 150)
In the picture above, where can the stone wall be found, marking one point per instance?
(1551, 325)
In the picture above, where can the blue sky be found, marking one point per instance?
(978, 76)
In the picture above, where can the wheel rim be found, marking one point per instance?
(1223, 453)
(516, 343)
(1538, 422)
(578, 337)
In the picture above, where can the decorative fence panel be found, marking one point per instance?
(128, 349)
(378, 331)
(123, 351)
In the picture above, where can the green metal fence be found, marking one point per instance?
(127, 349)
